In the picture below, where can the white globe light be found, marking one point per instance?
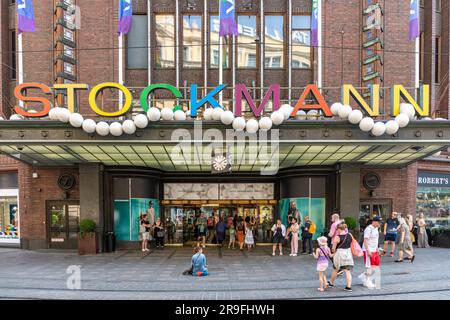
(141, 121)
(286, 110)
(355, 116)
(227, 117)
(402, 119)
(102, 128)
(312, 115)
(16, 117)
(392, 127)
(277, 117)
(116, 129)
(366, 124)
(217, 113)
(408, 109)
(153, 114)
(252, 126)
(437, 154)
(167, 114)
(63, 115)
(1, 118)
(344, 111)
(179, 115)
(89, 125)
(76, 120)
(208, 113)
(265, 124)
(335, 107)
(32, 111)
(378, 129)
(129, 127)
(440, 119)
(53, 113)
(188, 113)
(301, 115)
(426, 119)
(239, 124)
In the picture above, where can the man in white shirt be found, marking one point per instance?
(371, 255)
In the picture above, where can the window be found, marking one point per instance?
(137, 43)
(274, 42)
(214, 26)
(69, 68)
(437, 63)
(422, 57)
(69, 52)
(165, 41)
(301, 42)
(69, 35)
(192, 42)
(438, 5)
(247, 41)
(13, 58)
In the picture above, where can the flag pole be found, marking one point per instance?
(120, 69)
(220, 68)
(20, 62)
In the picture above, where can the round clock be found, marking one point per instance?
(220, 163)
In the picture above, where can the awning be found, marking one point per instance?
(299, 143)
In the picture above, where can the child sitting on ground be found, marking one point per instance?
(321, 255)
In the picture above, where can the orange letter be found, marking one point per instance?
(322, 105)
(18, 93)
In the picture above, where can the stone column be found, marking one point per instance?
(349, 183)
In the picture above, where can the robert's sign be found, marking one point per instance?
(349, 92)
(433, 179)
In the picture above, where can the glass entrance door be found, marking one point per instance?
(369, 208)
(63, 219)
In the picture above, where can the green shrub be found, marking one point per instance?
(87, 226)
(351, 223)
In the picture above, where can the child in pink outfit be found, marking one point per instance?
(321, 255)
(294, 240)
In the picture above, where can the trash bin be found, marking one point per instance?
(110, 243)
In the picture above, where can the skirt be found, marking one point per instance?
(249, 238)
(422, 241)
(343, 259)
(405, 245)
(322, 264)
(240, 236)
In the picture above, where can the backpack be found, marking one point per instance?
(210, 222)
(312, 228)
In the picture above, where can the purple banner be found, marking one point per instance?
(315, 23)
(125, 16)
(25, 15)
(414, 20)
(228, 25)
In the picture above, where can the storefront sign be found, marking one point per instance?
(433, 179)
(398, 93)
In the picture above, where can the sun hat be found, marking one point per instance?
(323, 241)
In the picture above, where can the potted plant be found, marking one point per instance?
(87, 238)
(352, 225)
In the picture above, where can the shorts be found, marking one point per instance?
(145, 236)
(277, 239)
(390, 237)
(374, 261)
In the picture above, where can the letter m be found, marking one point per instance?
(241, 90)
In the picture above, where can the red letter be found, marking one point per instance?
(322, 105)
(18, 93)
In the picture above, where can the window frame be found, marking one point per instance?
(257, 43)
(155, 53)
(284, 44)
(202, 41)
(210, 45)
(311, 48)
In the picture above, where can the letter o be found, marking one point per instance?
(96, 91)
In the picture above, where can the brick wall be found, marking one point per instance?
(33, 194)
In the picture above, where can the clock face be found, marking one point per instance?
(220, 163)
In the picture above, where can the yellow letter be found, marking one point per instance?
(71, 92)
(349, 91)
(95, 92)
(398, 92)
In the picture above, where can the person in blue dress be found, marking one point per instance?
(199, 266)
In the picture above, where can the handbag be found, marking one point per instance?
(356, 248)
(160, 234)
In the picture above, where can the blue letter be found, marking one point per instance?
(208, 99)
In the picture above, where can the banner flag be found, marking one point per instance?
(25, 15)
(315, 23)
(414, 20)
(228, 25)
(125, 16)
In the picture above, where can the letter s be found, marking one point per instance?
(18, 93)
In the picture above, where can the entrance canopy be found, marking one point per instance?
(296, 143)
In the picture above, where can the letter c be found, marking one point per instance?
(146, 92)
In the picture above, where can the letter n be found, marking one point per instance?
(399, 92)
(349, 91)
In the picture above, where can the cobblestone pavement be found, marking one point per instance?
(234, 275)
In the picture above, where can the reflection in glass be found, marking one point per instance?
(137, 43)
(9, 219)
(434, 203)
(246, 56)
(214, 26)
(273, 42)
(301, 42)
(165, 41)
(192, 41)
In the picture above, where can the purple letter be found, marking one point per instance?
(274, 90)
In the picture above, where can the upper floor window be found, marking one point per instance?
(137, 43)
(274, 42)
(165, 41)
(192, 42)
(214, 26)
(247, 42)
(301, 42)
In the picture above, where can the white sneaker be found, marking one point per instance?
(281, 253)
(147, 249)
(294, 255)
(273, 253)
(143, 250)
(370, 285)
(363, 278)
(291, 255)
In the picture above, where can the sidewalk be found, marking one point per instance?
(234, 275)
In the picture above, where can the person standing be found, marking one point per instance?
(210, 224)
(232, 232)
(307, 236)
(199, 266)
(145, 227)
(342, 256)
(294, 229)
(158, 233)
(322, 255)
(422, 237)
(170, 229)
(405, 244)
(221, 228)
(201, 229)
(335, 221)
(240, 232)
(150, 215)
(371, 256)
(249, 240)
(390, 233)
(279, 233)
